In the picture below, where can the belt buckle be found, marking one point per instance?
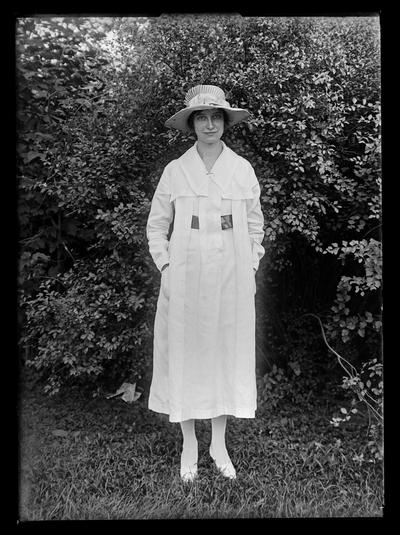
(226, 222)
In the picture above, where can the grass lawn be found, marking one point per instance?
(83, 458)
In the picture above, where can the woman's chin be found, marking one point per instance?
(210, 138)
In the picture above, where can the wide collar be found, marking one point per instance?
(197, 174)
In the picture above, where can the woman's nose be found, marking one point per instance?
(210, 123)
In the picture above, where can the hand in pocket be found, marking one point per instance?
(165, 282)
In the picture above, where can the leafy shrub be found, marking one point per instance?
(93, 327)
(93, 97)
(366, 389)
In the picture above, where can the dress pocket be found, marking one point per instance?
(165, 282)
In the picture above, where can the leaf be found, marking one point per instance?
(127, 392)
(32, 155)
(59, 433)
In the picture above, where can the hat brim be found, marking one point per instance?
(180, 119)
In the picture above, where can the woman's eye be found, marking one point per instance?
(213, 118)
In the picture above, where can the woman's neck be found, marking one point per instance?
(209, 150)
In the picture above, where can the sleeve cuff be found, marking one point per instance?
(162, 261)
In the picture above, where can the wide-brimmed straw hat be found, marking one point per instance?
(205, 97)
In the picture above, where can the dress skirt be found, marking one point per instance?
(210, 367)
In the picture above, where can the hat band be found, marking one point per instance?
(207, 100)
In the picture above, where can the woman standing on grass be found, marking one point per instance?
(204, 331)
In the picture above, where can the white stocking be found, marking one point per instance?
(189, 447)
(218, 447)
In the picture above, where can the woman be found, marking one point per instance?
(204, 331)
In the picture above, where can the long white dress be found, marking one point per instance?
(204, 330)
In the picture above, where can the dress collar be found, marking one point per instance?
(197, 174)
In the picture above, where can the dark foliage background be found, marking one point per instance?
(92, 97)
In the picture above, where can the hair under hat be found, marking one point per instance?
(203, 97)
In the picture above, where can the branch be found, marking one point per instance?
(353, 372)
(373, 228)
(53, 278)
(32, 238)
(90, 99)
(68, 251)
(340, 358)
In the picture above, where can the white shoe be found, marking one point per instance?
(227, 469)
(188, 467)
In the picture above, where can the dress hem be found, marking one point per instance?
(202, 414)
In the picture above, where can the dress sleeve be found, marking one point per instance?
(255, 222)
(159, 220)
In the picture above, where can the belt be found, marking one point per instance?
(226, 222)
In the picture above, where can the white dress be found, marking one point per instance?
(204, 330)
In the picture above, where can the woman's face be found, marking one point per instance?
(208, 125)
